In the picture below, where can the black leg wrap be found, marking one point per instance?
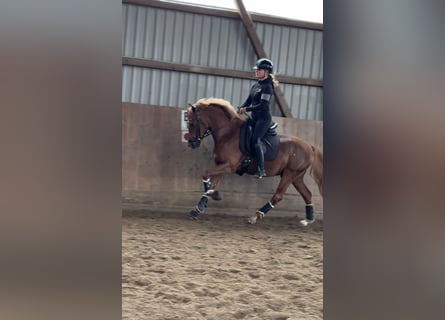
(216, 196)
(207, 185)
(266, 208)
(309, 212)
(194, 215)
(202, 204)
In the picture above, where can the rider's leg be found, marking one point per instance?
(259, 152)
(260, 130)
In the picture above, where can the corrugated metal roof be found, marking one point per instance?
(295, 52)
(218, 42)
(187, 38)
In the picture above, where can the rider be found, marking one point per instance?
(258, 102)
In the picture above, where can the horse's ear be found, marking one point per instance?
(193, 106)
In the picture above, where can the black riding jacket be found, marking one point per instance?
(259, 98)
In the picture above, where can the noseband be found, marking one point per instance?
(195, 142)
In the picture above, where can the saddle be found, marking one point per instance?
(270, 142)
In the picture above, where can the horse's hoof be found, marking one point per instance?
(194, 215)
(306, 222)
(251, 220)
(216, 196)
(258, 216)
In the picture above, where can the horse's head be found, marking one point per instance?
(197, 130)
(208, 116)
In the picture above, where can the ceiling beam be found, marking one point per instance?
(180, 67)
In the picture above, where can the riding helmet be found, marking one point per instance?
(264, 64)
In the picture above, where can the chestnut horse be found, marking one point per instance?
(217, 117)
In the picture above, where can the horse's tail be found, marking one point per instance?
(317, 168)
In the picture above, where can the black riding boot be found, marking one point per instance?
(260, 161)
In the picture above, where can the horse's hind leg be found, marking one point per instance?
(307, 196)
(285, 181)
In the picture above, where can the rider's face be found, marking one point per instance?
(260, 73)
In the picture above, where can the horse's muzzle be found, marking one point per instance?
(194, 143)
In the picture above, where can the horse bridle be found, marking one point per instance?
(195, 142)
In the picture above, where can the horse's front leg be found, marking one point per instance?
(210, 179)
(210, 187)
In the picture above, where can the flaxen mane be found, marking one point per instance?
(225, 105)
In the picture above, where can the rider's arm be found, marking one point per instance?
(266, 94)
